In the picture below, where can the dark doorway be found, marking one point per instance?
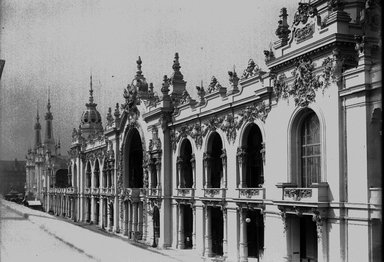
(186, 170)
(188, 226)
(216, 170)
(97, 211)
(156, 226)
(62, 178)
(134, 166)
(88, 210)
(217, 231)
(254, 173)
(255, 233)
(308, 238)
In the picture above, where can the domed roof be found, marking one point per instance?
(91, 118)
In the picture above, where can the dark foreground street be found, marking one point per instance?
(29, 235)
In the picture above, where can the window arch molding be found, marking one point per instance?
(244, 129)
(179, 145)
(294, 142)
(207, 140)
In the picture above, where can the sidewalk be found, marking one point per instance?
(103, 246)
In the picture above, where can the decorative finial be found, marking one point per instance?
(139, 62)
(176, 65)
(49, 100)
(37, 112)
(90, 90)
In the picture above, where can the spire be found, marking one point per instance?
(90, 91)
(139, 62)
(49, 141)
(37, 128)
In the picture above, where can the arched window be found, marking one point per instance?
(88, 174)
(133, 158)
(310, 150)
(97, 174)
(186, 174)
(62, 178)
(215, 164)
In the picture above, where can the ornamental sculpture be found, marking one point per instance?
(214, 85)
(251, 70)
(253, 112)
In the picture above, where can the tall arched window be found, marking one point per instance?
(88, 174)
(97, 174)
(215, 165)
(133, 158)
(186, 173)
(310, 151)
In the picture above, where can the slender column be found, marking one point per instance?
(158, 172)
(208, 238)
(179, 163)
(224, 162)
(207, 169)
(101, 211)
(243, 237)
(181, 228)
(241, 161)
(130, 215)
(193, 164)
(194, 228)
(140, 217)
(108, 215)
(126, 214)
(93, 209)
(135, 218)
(225, 233)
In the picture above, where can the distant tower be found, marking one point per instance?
(91, 118)
(49, 141)
(37, 131)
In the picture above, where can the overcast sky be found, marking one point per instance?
(57, 43)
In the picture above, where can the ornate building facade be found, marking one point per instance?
(281, 164)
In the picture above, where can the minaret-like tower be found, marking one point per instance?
(37, 130)
(49, 141)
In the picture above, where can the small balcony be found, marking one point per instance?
(95, 191)
(256, 193)
(185, 192)
(314, 195)
(87, 191)
(218, 193)
(103, 191)
(70, 190)
(135, 192)
(154, 192)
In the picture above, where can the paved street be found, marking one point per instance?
(29, 235)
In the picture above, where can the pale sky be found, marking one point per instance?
(57, 43)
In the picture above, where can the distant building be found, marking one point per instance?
(45, 166)
(279, 164)
(12, 176)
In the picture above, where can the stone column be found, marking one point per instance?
(194, 228)
(109, 226)
(179, 163)
(93, 209)
(193, 164)
(243, 237)
(207, 170)
(140, 217)
(101, 211)
(242, 163)
(158, 172)
(225, 233)
(224, 161)
(125, 226)
(130, 219)
(180, 230)
(135, 218)
(208, 238)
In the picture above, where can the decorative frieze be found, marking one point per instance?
(297, 194)
(253, 112)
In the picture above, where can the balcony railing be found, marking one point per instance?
(185, 192)
(135, 192)
(110, 191)
(318, 192)
(95, 191)
(154, 192)
(70, 190)
(215, 192)
(251, 193)
(87, 190)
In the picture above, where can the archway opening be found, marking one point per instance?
(186, 169)
(62, 178)
(97, 174)
(253, 144)
(215, 172)
(217, 231)
(134, 160)
(156, 226)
